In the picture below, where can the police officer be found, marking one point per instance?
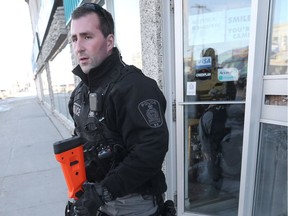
(120, 113)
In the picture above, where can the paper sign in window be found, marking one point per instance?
(191, 88)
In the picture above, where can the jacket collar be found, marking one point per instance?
(94, 77)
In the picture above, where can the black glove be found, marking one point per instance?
(82, 211)
(69, 209)
(170, 209)
(89, 203)
(96, 168)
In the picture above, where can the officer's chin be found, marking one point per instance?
(85, 68)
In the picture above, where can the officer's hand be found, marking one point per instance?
(90, 201)
(81, 211)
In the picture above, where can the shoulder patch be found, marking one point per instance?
(151, 112)
(76, 109)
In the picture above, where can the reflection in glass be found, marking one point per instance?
(216, 38)
(271, 179)
(278, 39)
(278, 100)
(213, 158)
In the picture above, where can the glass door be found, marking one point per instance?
(211, 104)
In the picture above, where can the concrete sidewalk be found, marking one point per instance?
(31, 180)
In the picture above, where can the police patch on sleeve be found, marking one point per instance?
(76, 109)
(151, 112)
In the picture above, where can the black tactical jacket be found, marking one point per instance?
(133, 117)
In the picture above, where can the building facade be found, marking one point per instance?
(222, 66)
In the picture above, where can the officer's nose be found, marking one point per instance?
(78, 46)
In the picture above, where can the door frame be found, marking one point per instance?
(254, 105)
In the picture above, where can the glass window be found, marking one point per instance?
(271, 179)
(45, 87)
(62, 80)
(213, 156)
(216, 39)
(127, 31)
(278, 39)
(276, 100)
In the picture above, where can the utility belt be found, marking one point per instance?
(166, 208)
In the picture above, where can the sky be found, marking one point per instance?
(16, 43)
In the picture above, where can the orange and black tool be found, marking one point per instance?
(69, 153)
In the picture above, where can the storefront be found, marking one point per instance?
(222, 66)
(231, 101)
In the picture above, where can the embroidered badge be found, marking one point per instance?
(151, 112)
(76, 109)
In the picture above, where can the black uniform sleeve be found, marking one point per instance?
(136, 109)
(70, 103)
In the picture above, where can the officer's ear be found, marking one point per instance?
(110, 42)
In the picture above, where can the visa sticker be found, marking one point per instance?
(204, 62)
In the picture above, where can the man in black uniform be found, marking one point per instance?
(120, 113)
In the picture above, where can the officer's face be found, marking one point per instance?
(89, 44)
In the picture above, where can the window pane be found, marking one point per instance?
(62, 80)
(129, 44)
(278, 39)
(46, 95)
(271, 179)
(216, 38)
(276, 100)
(213, 153)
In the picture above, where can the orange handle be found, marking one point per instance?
(72, 164)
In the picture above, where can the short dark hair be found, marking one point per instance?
(106, 19)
